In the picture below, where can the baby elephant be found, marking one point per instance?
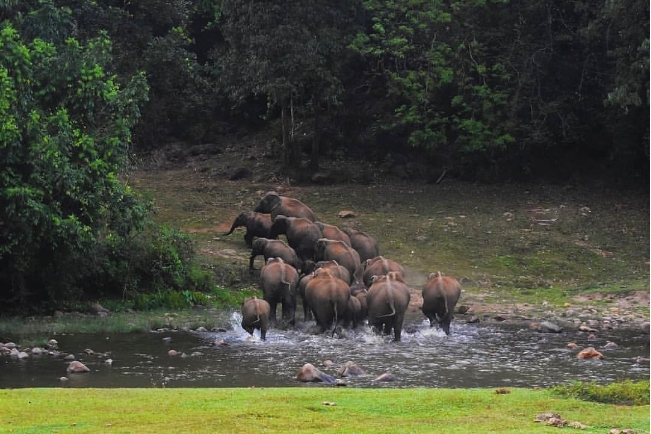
(440, 295)
(255, 315)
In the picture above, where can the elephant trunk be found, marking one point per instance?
(236, 224)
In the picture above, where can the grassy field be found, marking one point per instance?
(511, 245)
(304, 410)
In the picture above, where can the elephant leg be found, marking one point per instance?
(445, 325)
(251, 259)
(272, 312)
(307, 312)
(289, 312)
(248, 239)
(397, 329)
(263, 334)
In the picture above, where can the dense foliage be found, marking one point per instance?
(482, 89)
(69, 227)
(487, 89)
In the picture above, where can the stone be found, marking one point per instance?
(310, 374)
(350, 369)
(589, 353)
(346, 214)
(386, 377)
(549, 327)
(76, 367)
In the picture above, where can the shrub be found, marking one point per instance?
(621, 392)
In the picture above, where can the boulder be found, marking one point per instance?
(350, 369)
(76, 367)
(309, 373)
(590, 353)
(549, 327)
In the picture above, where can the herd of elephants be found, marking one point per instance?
(338, 273)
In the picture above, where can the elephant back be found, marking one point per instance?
(332, 232)
(440, 293)
(366, 246)
(379, 266)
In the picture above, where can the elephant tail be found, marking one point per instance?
(336, 319)
(257, 310)
(392, 303)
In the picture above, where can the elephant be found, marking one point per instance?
(360, 292)
(364, 244)
(388, 299)
(336, 269)
(352, 318)
(440, 296)
(278, 281)
(332, 232)
(257, 225)
(275, 204)
(273, 249)
(327, 296)
(301, 234)
(379, 266)
(255, 315)
(334, 250)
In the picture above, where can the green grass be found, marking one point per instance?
(621, 392)
(302, 410)
(40, 329)
(490, 235)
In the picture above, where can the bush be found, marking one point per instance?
(621, 392)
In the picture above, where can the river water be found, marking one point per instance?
(474, 355)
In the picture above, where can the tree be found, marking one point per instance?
(64, 137)
(289, 52)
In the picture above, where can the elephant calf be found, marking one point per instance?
(255, 315)
(440, 296)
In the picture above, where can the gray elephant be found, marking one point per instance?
(440, 296)
(387, 300)
(273, 249)
(257, 225)
(327, 297)
(379, 266)
(332, 232)
(301, 234)
(364, 244)
(334, 250)
(278, 281)
(255, 315)
(275, 204)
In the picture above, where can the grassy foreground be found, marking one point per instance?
(303, 410)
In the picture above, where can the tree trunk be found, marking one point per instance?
(284, 120)
(314, 158)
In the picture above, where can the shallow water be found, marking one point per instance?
(475, 355)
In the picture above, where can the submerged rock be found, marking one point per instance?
(590, 353)
(309, 373)
(350, 369)
(77, 367)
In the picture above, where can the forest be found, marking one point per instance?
(488, 91)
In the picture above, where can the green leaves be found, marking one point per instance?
(439, 94)
(63, 135)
